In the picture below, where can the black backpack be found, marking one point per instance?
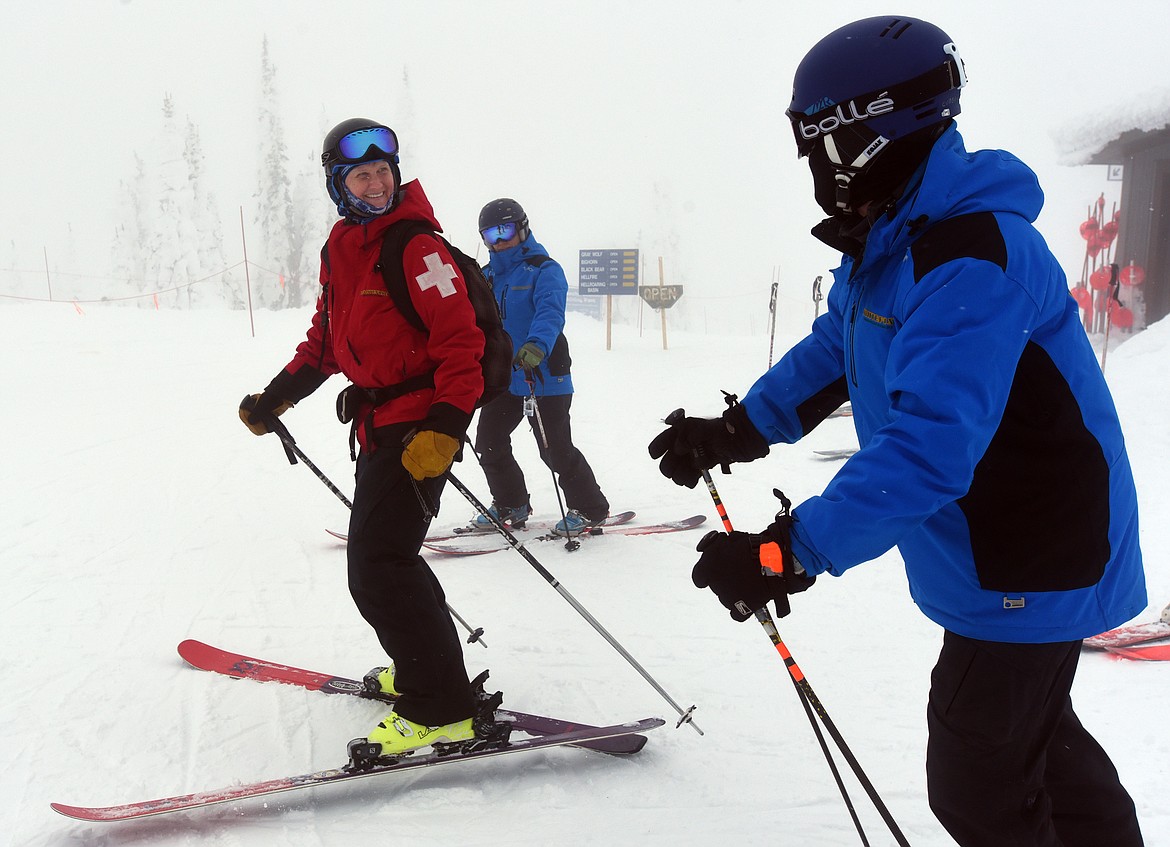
(497, 353)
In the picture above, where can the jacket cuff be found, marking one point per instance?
(748, 441)
(803, 555)
(295, 387)
(447, 419)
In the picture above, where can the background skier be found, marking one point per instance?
(530, 288)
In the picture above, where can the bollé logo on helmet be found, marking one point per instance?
(846, 114)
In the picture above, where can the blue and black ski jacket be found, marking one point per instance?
(531, 290)
(991, 452)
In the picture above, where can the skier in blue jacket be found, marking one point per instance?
(531, 289)
(991, 452)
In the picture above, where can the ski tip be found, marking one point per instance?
(460, 551)
(634, 744)
(339, 535)
(79, 813)
(192, 651)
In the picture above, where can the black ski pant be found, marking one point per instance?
(398, 594)
(493, 441)
(1008, 763)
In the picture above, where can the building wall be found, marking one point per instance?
(1144, 236)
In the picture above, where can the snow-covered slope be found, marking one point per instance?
(137, 512)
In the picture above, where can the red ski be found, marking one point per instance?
(1143, 653)
(1138, 633)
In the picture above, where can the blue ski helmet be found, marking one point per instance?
(868, 85)
(354, 142)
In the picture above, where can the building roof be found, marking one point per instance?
(1116, 130)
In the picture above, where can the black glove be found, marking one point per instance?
(692, 445)
(734, 565)
(256, 409)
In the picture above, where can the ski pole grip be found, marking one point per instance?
(286, 440)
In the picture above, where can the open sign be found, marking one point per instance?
(661, 296)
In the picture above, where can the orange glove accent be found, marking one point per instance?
(429, 454)
(772, 558)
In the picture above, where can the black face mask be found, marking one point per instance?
(840, 189)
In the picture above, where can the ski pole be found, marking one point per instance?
(684, 714)
(772, 312)
(293, 452)
(810, 699)
(1114, 290)
(532, 410)
(765, 618)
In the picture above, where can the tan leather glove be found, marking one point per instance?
(429, 454)
(255, 407)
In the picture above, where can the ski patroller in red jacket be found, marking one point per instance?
(358, 331)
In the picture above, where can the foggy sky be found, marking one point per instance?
(636, 123)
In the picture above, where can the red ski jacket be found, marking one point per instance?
(358, 331)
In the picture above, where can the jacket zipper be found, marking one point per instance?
(324, 327)
(853, 336)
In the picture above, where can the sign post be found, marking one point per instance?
(608, 272)
(661, 297)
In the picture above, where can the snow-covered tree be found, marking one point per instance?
(169, 241)
(225, 286)
(281, 278)
(131, 233)
(311, 215)
(172, 261)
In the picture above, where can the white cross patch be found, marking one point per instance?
(439, 275)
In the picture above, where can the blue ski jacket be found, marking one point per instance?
(991, 452)
(530, 289)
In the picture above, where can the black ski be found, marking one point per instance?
(208, 658)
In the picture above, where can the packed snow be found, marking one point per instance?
(138, 512)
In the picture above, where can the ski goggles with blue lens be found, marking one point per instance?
(355, 146)
(499, 232)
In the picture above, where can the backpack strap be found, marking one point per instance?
(394, 243)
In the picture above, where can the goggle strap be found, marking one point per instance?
(938, 80)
